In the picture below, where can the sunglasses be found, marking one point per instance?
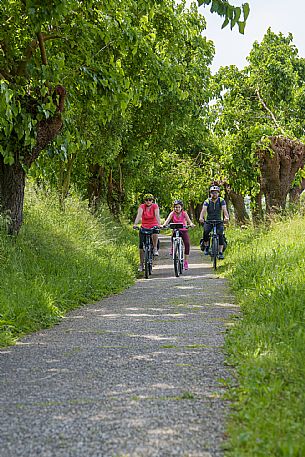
(148, 199)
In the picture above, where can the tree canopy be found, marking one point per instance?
(256, 104)
(117, 99)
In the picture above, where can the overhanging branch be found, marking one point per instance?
(42, 48)
(31, 48)
(268, 111)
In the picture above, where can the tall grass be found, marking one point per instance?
(267, 273)
(59, 261)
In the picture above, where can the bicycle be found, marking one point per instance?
(148, 249)
(214, 242)
(178, 247)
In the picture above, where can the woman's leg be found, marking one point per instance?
(155, 239)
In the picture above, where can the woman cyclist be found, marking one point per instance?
(149, 216)
(179, 215)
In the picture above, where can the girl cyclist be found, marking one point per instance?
(178, 215)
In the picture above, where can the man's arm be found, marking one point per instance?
(203, 214)
(225, 213)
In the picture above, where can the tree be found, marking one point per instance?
(105, 57)
(30, 112)
(260, 120)
(169, 75)
(278, 167)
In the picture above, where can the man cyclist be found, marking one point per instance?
(215, 208)
(149, 215)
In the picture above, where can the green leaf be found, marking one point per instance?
(237, 14)
(246, 10)
(241, 27)
(225, 23)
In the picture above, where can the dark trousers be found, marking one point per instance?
(207, 227)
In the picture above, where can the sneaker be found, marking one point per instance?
(141, 267)
(206, 251)
(186, 265)
(156, 252)
(221, 256)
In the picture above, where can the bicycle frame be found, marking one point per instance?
(148, 250)
(214, 242)
(178, 248)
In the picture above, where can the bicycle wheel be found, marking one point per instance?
(146, 262)
(214, 252)
(181, 257)
(150, 262)
(176, 260)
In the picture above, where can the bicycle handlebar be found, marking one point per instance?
(155, 227)
(176, 228)
(214, 221)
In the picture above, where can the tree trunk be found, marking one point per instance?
(240, 212)
(65, 171)
(115, 192)
(95, 186)
(295, 192)
(257, 209)
(12, 177)
(278, 169)
(12, 182)
(197, 211)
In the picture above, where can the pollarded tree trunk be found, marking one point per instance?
(278, 169)
(12, 182)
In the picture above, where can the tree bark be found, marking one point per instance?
(240, 212)
(295, 192)
(12, 177)
(278, 169)
(238, 202)
(257, 209)
(12, 182)
(95, 186)
(115, 192)
(64, 180)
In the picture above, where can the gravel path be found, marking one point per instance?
(134, 375)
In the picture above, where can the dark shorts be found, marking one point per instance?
(142, 235)
(207, 227)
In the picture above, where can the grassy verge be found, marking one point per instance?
(59, 261)
(267, 274)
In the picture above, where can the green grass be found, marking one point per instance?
(267, 274)
(58, 262)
